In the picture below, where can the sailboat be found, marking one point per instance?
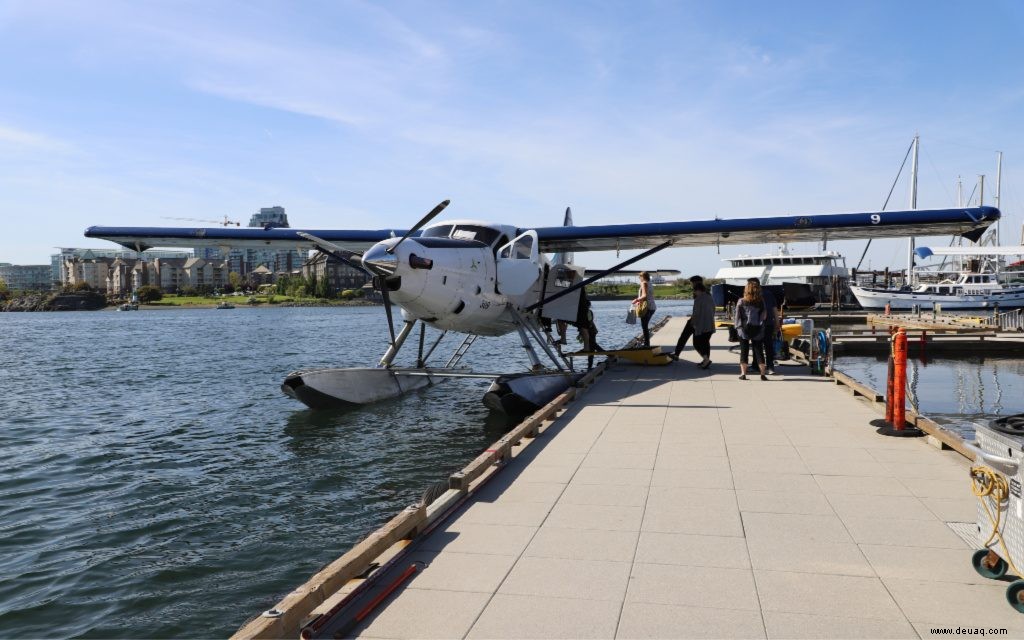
(976, 284)
(978, 287)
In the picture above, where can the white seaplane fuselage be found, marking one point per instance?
(462, 275)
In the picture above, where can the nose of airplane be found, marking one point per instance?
(379, 261)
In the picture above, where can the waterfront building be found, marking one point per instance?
(26, 277)
(90, 271)
(245, 261)
(58, 261)
(269, 218)
(339, 275)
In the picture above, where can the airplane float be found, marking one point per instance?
(485, 279)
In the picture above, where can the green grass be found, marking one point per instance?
(172, 300)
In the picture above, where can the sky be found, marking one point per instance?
(356, 115)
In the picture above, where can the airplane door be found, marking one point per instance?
(519, 265)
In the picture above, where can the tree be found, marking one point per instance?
(235, 279)
(149, 293)
(4, 291)
(322, 288)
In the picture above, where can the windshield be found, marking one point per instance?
(440, 231)
(485, 235)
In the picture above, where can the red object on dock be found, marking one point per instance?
(899, 383)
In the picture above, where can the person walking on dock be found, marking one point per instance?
(749, 321)
(684, 337)
(700, 325)
(771, 324)
(703, 318)
(645, 306)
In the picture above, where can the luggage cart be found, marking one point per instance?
(997, 478)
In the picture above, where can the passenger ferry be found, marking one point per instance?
(817, 271)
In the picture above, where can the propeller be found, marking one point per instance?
(423, 221)
(354, 260)
(387, 309)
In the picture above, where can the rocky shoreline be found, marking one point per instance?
(85, 301)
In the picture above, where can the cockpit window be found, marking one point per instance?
(485, 235)
(440, 231)
(523, 247)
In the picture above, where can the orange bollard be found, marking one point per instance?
(899, 383)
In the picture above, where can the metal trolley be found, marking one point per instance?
(997, 478)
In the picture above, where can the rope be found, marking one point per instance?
(988, 486)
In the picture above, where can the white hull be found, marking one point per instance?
(1007, 298)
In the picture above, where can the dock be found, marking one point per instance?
(674, 502)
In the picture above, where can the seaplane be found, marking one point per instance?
(490, 279)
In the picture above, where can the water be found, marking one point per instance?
(953, 392)
(154, 481)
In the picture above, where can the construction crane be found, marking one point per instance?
(225, 222)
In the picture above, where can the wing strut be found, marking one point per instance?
(599, 275)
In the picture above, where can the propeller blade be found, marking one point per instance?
(351, 258)
(387, 310)
(423, 221)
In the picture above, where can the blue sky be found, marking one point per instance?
(365, 115)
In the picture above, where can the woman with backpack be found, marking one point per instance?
(750, 322)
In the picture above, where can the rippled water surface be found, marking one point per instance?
(954, 392)
(154, 482)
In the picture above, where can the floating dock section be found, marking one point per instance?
(677, 502)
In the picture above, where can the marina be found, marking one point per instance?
(442, 315)
(670, 502)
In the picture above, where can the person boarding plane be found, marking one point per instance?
(489, 279)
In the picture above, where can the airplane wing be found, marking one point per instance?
(968, 222)
(142, 238)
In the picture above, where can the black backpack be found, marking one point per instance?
(754, 320)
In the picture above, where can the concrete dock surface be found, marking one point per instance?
(671, 502)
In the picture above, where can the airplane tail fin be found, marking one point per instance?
(567, 256)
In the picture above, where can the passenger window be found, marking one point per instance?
(523, 247)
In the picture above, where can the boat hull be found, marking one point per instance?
(877, 299)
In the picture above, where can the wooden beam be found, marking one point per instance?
(288, 614)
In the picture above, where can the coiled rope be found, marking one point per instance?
(990, 486)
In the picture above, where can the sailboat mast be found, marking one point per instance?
(999, 181)
(913, 205)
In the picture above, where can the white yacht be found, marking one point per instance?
(977, 287)
(816, 270)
